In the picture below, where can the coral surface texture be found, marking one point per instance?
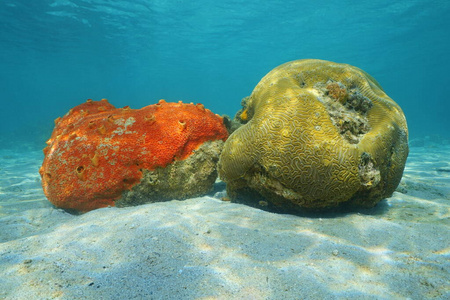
(98, 153)
(315, 134)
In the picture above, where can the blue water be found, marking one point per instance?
(55, 54)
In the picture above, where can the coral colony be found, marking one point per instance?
(315, 134)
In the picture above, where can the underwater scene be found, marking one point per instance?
(178, 149)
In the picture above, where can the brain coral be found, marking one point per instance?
(99, 155)
(316, 134)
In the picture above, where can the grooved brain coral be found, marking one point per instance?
(99, 155)
(316, 134)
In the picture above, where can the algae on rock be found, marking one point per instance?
(182, 179)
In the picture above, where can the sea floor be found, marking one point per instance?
(205, 248)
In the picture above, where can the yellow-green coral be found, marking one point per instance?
(317, 134)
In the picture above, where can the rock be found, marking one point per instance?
(98, 154)
(315, 135)
(182, 179)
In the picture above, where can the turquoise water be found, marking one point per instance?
(55, 54)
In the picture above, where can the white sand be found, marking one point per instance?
(204, 248)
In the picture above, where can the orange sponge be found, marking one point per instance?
(97, 151)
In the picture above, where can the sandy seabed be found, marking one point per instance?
(205, 248)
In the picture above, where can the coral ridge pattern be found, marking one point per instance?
(315, 134)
